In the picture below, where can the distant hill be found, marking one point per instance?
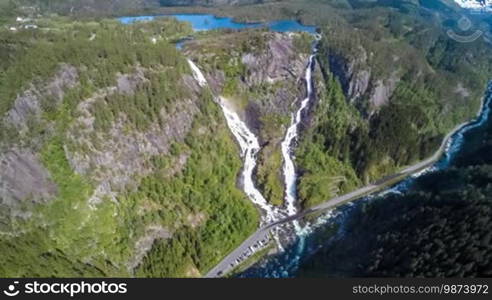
(108, 7)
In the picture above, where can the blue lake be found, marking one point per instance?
(201, 22)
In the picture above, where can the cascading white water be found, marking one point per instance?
(289, 170)
(197, 74)
(249, 148)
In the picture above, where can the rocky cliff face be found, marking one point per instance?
(109, 7)
(359, 83)
(31, 103)
(112, 160)
(115, 158)
(261, 76)
(23, 178)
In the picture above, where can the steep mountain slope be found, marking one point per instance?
(111, 150)
(393, 84)
(116, 163)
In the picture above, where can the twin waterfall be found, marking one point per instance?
(250, 147)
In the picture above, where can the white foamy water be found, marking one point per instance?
(249, 145)
(197, 74)
(249, 149)
(289, 170)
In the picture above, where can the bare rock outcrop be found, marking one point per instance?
(144, 244)
(280, 61)
(358, 82)
(262, 74)
(279, 65)
(23, 178)
(30, 103)
(113, 160)
(352, 74)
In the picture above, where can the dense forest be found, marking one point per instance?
(104, 8)
(391, 85)
(441, 228)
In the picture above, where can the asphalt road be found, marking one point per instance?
(239, 254)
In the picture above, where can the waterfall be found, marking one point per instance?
(289, 170)
(249, 145)
(249, 149)
(288, 143)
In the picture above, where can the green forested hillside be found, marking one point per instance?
(415, 84)
(180, 200)
(103, 8)
(441, 230)
(116, 163)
